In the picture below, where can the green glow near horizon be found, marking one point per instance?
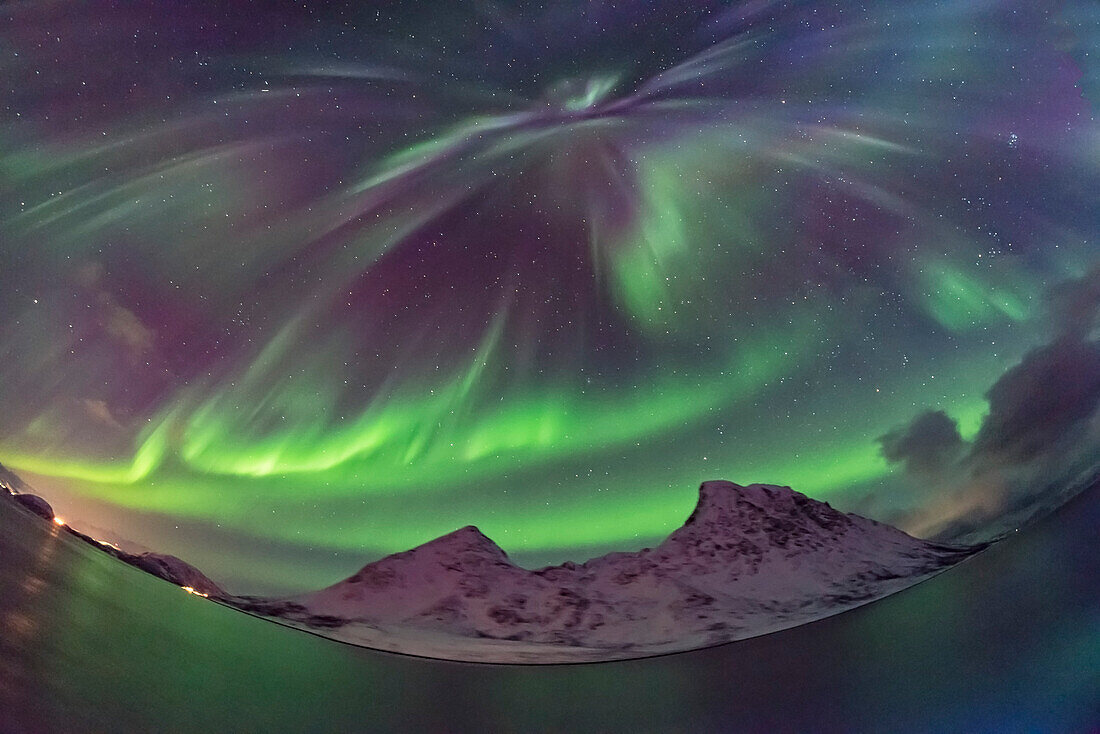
(645, 505)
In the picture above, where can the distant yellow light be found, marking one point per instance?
(191, 590)
(59, 521)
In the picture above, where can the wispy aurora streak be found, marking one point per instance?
(350, 281)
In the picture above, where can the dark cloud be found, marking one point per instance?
(1040, 436)
(1076, 305)
(1036, 408)
(1040, 402)
(1047, 398)
(928, 444)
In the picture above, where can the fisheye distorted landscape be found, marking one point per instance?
(287, 291)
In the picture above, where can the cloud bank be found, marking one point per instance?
(1038, 443)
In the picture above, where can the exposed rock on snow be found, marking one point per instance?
(748, 560)
(173, 569)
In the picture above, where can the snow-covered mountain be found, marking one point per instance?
(748, 560)
(169, 568)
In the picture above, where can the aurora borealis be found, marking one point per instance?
(287, 289)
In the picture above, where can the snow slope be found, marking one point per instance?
(748, 560)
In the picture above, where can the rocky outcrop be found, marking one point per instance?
(174, 570)
(35, 504)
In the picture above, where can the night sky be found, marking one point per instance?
(284, 289)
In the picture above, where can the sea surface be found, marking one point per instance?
(1008, 641)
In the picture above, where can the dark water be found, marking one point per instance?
(1009, 641)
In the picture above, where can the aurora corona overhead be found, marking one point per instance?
(346, 280)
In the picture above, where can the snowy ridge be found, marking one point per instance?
(748, 560)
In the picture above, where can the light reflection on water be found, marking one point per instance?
(1009, 641)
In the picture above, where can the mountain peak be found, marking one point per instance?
(466, 535)
(721, 497)
(726, 508)
(718, 493)
(468, 539)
